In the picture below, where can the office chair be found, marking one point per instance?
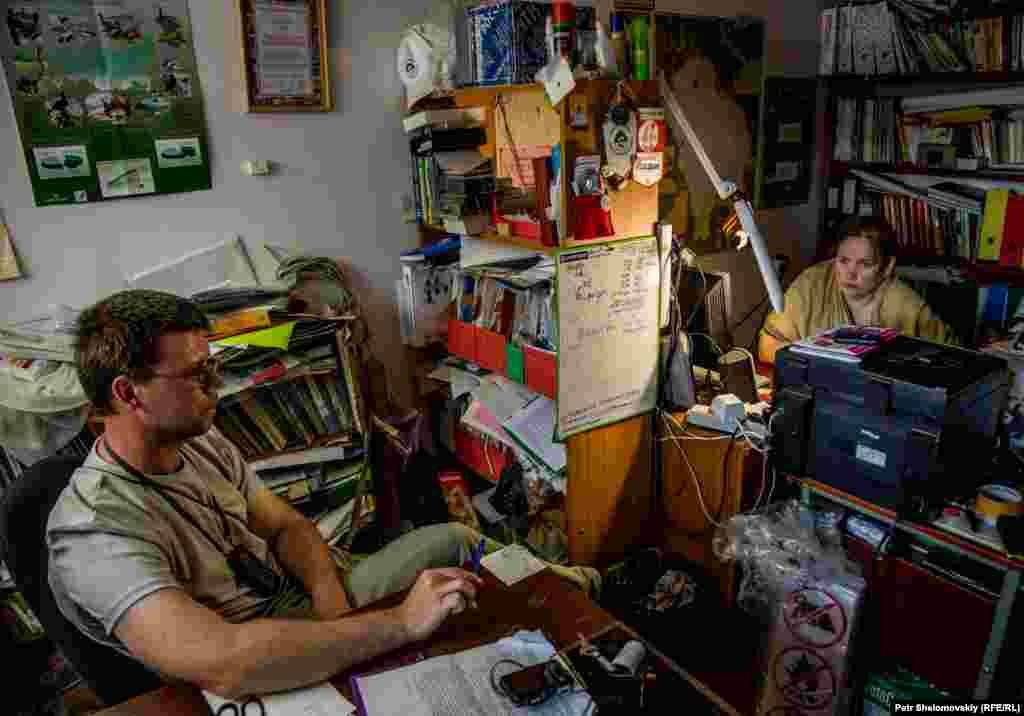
(23, 516)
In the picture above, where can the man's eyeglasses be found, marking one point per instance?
(205, 375)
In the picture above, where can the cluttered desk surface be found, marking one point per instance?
(540, 602)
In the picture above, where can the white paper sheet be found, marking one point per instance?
(512, 564)
(460, 684)
(322, 700)
(534, 426)
(608, 334)
(503, 403)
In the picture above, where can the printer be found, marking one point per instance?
(907, 428)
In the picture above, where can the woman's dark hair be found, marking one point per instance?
(876, 230)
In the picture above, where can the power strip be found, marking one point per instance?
(703, 416)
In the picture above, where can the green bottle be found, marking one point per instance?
(641, 56)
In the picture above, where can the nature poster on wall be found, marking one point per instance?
(715, 67)
(106, 96)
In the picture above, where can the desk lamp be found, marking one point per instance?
(727, 191)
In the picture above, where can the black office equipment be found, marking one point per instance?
(905, 429)
(26, 509)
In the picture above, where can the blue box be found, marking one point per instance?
(506, 40)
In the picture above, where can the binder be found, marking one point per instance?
(827, 28)
(1012, 251)
(844, 58)
(991, 244)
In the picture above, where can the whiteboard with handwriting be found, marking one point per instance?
(608, 334)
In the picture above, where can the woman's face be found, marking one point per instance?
(859, 269)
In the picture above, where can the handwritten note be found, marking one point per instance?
(608, 334)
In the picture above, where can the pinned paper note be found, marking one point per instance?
(557, 79)
(275, 337)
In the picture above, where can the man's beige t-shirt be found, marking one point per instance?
(113, 542)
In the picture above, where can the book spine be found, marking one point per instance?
(255, 411)
(339, 401)
(320, 382)
(228, 424)
(310, 405)
(285, 406)
(250, 427)
(299, 407)
(827, 30)
(330, 425)
(416, 185)
(292, 436)
(355, 399)
(844, 61)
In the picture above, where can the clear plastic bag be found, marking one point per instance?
(799, 584)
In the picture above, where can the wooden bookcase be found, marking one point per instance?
(900, 87)
(609, 495)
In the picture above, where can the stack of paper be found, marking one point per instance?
(533, 428)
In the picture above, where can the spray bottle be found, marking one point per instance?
(641, 56)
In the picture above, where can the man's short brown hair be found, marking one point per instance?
(118, 336)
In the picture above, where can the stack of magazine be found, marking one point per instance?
(849, 344)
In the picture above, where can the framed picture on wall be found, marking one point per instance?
(284, 53)
(785, 164)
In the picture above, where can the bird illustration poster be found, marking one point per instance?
(97, 83)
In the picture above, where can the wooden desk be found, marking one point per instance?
(913, 598)
(730, 477)
(542, 601)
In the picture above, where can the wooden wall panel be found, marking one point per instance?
(608, 500)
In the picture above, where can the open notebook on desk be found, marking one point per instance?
(320, 700)
(460, 683)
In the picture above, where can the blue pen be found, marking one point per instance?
(478, 554)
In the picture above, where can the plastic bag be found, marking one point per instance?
(778, 548)
(808, 596)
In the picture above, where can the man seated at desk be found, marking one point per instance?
(161, 544)
(857, 287)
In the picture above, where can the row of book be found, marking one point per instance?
(515, 304)
(289, 414)
(1000, 141)
(926, 229)
(866, 130)
(331, 482)
(871, 129)
(947, 220)
(508, 293)
(907, 37)
(450, 178)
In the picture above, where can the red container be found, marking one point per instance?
(462, 340)
(491, 351)
(470, 451)
(541, 367)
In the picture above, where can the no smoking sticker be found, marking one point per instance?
(804, 679)
(815, 617)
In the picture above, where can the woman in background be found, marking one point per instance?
(857, 287)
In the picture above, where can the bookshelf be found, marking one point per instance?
(984, 40)
(301, 424)
(609, 483)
